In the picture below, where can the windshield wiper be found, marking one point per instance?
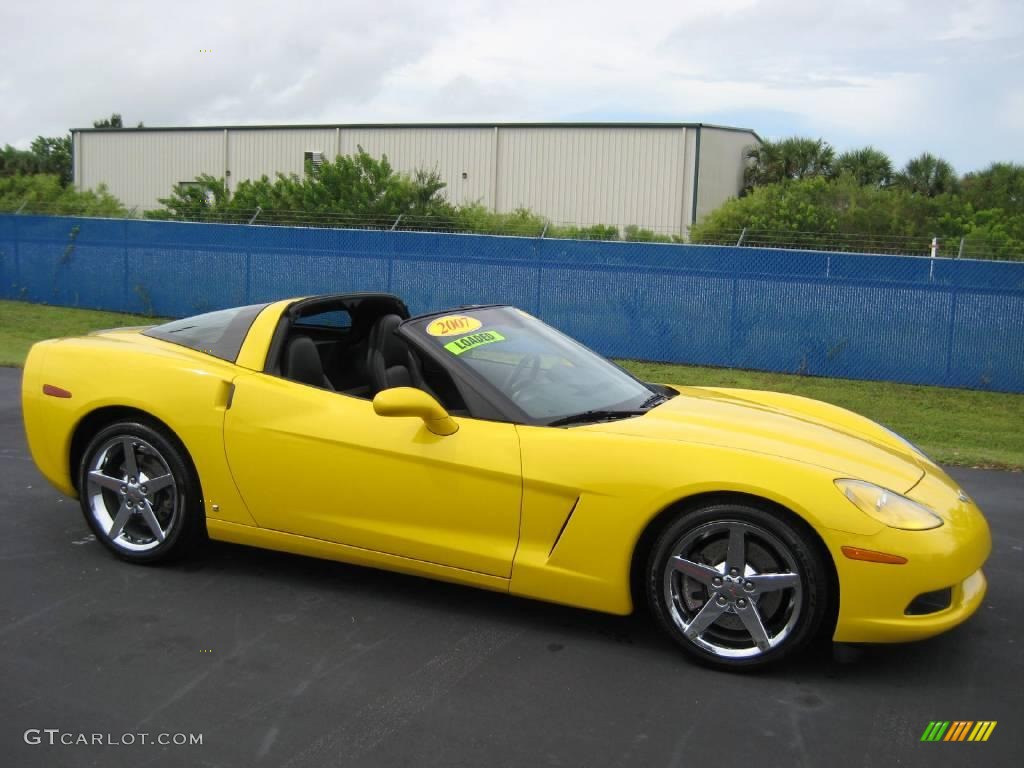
(595, 415)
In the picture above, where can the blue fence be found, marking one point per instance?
(945, 322)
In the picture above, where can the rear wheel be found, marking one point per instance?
(139, 493)
(737, 586)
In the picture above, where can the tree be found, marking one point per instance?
(114, 121)
(792, 158)
(927, 175)
(16, 162)
(44, 193)
(46, 155)
(362, 185)
(54, 156)
(1001, 186)
(357, 185)
(200, 200)
(783, 208)
(821, 213)
(868, 166)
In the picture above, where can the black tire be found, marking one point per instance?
(116, 494)
(782, 586)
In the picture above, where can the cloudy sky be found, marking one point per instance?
(906, 76)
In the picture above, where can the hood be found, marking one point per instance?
(776, 424)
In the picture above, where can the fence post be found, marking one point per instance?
(949, 338)
(248, 267)
(390, 255)
(17, 257)
(733, 334)
(540, 276)
(124, 266)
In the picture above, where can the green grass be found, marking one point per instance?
(23, 324)
(954, 426)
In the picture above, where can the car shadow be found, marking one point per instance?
(637, 632)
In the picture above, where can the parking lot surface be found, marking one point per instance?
(278, 660)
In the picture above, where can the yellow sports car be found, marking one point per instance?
(483, 447)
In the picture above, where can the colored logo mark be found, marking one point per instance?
(453, 325)
(958, 730)
(472, 341)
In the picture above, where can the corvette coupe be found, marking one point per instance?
(483, 447)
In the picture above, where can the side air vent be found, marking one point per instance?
(564, 524)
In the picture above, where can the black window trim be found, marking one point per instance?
(241, 318)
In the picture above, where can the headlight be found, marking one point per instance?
(888, 507)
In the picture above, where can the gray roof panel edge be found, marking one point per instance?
(350, 126)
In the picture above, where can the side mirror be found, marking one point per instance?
(408, 401)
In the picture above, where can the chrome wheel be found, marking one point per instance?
(733, 589)
(131, 494)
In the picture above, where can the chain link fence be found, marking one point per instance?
(951, 322)
(966, 247)
(524, 224)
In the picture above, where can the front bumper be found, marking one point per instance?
(874, 597)
(897, 627)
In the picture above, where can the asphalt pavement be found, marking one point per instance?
(278, 660)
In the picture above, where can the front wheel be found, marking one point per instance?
(139, 493)
(737, 586)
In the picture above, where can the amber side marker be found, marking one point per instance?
(869, 555)
(52, 391)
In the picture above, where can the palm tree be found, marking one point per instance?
(792, 158)
(869, 166)
(927, 175)
(1001, 185)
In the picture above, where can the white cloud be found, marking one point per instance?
(903, 75)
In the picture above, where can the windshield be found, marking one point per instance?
(545, 373)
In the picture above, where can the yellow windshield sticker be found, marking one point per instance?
(453, 325)
(473, 341)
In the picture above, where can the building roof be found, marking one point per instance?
(309, 126)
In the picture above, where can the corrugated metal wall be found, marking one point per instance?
(141, 166)
(618, 175)
(594, 175)
(252, 154)
(452, 152)
(721, 167)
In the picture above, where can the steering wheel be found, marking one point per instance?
(524, 373)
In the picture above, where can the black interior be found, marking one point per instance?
(349, 345)
(389, 361)
(302, 362)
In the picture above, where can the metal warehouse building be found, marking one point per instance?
(661, 175)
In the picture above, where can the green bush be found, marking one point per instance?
(44, 193)
(819, 212)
